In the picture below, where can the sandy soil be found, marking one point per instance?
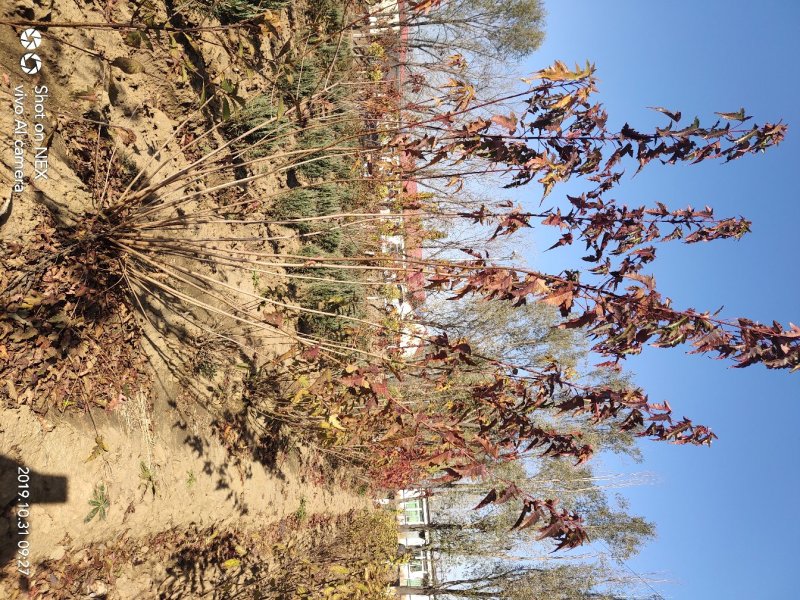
(163, 465)
(193, 481)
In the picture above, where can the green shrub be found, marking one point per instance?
(233, 11)
(314, 249)
(329, 13)
(255, 114)
(328, 199)
(324, 164)
(296, 204)
(329, 240)
(309, 202)
(340, 297)
(348, 247)
(300, 80)
(336, 51)
(309, 76)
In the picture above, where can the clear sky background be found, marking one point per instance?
(727, 515)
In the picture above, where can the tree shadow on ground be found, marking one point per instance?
(207, 564)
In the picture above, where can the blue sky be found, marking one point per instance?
(726, 515)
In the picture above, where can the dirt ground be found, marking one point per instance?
(152, 434)
(193, 482)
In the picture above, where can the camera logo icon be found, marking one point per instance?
(30, 63)
(30, 39)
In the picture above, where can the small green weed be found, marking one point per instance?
(207, 369)
(99, 504)
(301, 514)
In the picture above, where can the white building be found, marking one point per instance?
(413, 514)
